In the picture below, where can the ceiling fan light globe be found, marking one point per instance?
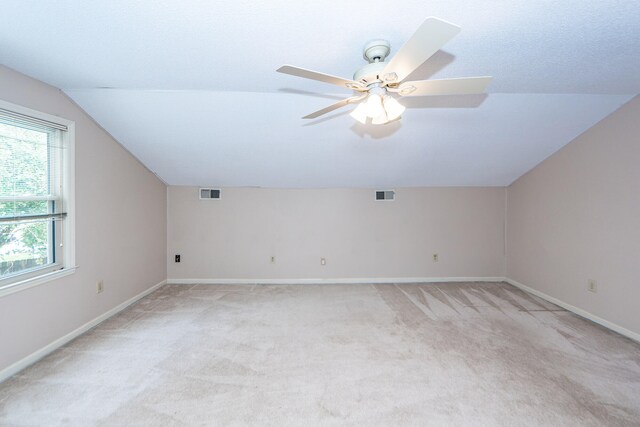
(360, 113)
(374, 107)
(393, 108)
(382, 119)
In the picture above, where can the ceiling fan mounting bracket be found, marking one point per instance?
(376, 50)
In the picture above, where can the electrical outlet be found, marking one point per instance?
(273, 260)
(323, 261)
(592, 286)
(99, 287)
(435, 257)
(177, 258)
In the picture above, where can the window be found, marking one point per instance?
(36, 173)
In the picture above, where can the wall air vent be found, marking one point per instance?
(385, 195)
(210, 194)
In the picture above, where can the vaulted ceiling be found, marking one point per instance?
(190, 88)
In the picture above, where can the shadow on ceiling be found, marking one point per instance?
(373, 131)
(376, 131)
(314, 94)
(444, 101)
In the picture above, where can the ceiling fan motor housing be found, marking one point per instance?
(375, 52)
(370, 72)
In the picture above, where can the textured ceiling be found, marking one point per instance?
(196, 98)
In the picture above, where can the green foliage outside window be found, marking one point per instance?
(24, 172)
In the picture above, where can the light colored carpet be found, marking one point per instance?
(414, 354)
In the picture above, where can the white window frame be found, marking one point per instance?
(31, 278)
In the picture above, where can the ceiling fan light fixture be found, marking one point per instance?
(360, 113)
(381, 109)
(382, 119)
(393, 108)
(373, 105)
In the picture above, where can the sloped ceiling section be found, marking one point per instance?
(247, 139)
(190, 87)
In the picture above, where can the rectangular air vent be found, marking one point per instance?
(210, 194)
(385, 195)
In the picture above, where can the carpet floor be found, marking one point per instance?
(407, 354)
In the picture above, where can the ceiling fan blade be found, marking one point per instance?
(430, 36)
(335, 106)
(458, 86)
(314, 75)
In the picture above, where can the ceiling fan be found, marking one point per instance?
(377, 82)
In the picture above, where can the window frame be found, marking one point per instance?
(40, 275)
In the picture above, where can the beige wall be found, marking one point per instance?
(359, 237)
(576, 217)
(120, 232)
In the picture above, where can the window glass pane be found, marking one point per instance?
(24, 161)
(28, 207)
(24, 246)
(32, 177)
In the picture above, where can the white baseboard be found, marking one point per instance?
(334, 281)
(580, 312)
(39, 354)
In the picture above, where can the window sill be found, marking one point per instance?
(35, 281)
